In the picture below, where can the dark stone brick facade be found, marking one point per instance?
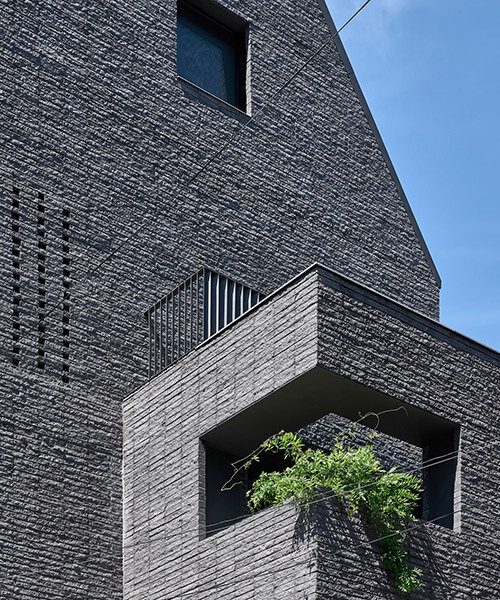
(319, 323)
(97, 134)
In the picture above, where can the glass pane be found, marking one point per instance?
(206, 60)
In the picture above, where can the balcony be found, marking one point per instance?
(322, 344)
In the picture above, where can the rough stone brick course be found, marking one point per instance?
(94, 117)
(345, 564)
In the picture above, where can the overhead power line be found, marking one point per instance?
(431, 462)
(224, 524)
(150, 219)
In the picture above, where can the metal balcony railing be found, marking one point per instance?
(191, 313)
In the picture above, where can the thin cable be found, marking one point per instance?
(354, 486)
(244, 576)
(319, 498)
(197, 173)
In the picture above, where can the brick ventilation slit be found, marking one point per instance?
(16, 277)
(42, 279)
(66, 305)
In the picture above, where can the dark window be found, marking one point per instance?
(211, 55)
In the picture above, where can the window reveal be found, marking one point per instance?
(211, 55)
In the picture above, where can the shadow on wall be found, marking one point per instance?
(349, 559)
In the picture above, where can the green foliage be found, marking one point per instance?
(384, 498)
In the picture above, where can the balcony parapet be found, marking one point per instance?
(321, 344)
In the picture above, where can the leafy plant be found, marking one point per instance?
(385, 498)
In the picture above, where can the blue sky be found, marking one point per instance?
(430, 71)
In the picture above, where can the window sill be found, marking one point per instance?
(201, 95)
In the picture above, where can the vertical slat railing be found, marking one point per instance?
(194, 311)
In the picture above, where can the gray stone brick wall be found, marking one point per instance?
(163, 476)
(418, 361)
(321, 319)
(94, 118)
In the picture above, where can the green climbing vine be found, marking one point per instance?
(384, 498)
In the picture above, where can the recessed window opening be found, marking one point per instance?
(224, 508)
(211, 50)
(413, 440)
(438, 469)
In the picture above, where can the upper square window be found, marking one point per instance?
(211, 51)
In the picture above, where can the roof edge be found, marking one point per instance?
(487, 352)
(357, 88)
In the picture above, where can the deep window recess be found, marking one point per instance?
(439, 502)
(211, 51)
(432, 442)
(224, 508)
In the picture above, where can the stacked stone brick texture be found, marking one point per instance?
(97, 129)
(277, 552)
